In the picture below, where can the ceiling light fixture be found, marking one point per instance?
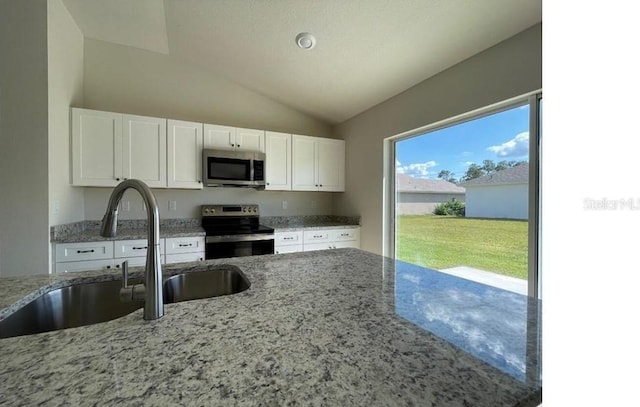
(305, 40)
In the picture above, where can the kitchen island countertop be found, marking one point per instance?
(335, 328)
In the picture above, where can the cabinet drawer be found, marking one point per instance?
(133, 248)
(288, 249)
(288, 238)
(84, 251)
(316, 236)
(338, 235)
(177, 245)
(184, 257)
(73, 266)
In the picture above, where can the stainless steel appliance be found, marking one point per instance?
(235, 231)
(233, 168)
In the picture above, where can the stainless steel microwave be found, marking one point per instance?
(233, 168)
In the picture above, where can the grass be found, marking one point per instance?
(440, 242)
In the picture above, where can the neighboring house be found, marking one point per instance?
(501, 195)
(417, 196)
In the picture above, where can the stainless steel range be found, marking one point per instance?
(234, 231)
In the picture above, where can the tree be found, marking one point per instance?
(488, 166)
(447, 176)
(474, 171)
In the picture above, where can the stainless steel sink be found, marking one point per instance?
(91, 303)
(69, 307)
(223, 280)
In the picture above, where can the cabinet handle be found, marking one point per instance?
(140, 248)
(185, 245)
(320, 185)
(238, 145)
(233, 145)
(199, 182)
(86, 251)
(108, 267)
(117, 179)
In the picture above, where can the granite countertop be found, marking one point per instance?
(295, 223)
(336, 328)
(89, 231)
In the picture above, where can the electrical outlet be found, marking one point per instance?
(56, 206)
(284, 204)
(124, 206)
(172, 205)
(314, 204)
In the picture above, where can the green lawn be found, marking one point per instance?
(440, 242)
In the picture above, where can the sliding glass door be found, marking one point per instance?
(465, 197)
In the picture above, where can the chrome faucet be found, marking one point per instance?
(151, 291)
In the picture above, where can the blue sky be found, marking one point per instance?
(501, 136)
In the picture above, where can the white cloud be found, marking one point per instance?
(516, 147)
(416, 170)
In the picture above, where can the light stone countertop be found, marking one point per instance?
(332, 328)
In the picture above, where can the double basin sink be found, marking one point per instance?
(91, 303)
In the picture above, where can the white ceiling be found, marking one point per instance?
(367, 50)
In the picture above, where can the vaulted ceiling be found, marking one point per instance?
(367, 50)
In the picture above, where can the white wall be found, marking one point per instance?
(414, 203)
(24, 222)
(497, 201)
(129, 80)
(66, 50)
(509, 69)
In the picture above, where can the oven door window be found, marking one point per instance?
(231, 169)
(221, 250)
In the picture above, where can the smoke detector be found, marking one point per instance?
(305, 40)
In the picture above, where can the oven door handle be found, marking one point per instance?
(238, 238)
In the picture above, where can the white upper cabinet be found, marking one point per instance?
(144, 149)
(317, 163)
(250, 140)
(111, 147)
(96, 147)
(233, 138)
(184, 154)
(331, 155)
(304, 163)
(278, 161)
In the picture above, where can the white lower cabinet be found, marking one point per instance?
(105, 255)
(317, 239)
(72, 266)
(326, 239)
(184, 257)
(184, 249)
(288, 242)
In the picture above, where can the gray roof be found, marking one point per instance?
(513, 175)
(406, 183)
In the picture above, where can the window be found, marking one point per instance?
(464, 197)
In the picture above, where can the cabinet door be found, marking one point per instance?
(219, 137)
(278, 161)
(303, 163)
(249, 140)
(330, 164)
(184, 154)
(73, 266)
(96, 139)
(144, 149)
(184, 257)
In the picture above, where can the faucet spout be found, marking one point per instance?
(153, 302)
